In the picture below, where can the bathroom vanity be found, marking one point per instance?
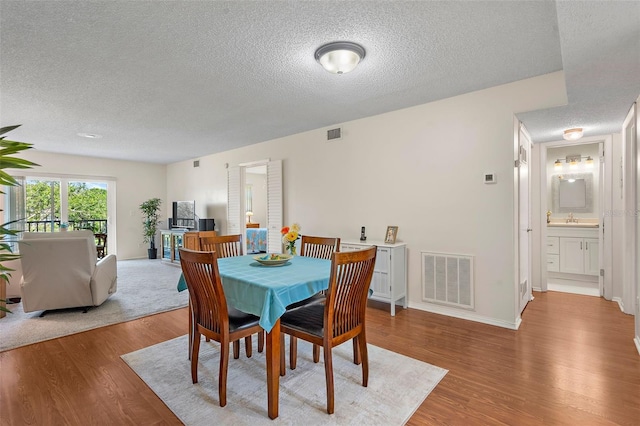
(573, 248)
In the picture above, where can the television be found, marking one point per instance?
(184, 214)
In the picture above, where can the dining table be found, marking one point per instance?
(266, 291)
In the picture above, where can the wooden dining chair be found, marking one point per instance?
(320, 248)
(101, 244)
(223, 245)
(198, 235)
(229, 246)
(342, 317)
(212, 317)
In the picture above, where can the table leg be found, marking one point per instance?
(273, 369)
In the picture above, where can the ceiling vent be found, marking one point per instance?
(196, 163)
(334, 134)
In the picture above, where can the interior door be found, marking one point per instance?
(601, 195)
(524, 218)
(629, 151)
(637, 245)
(274, 206)
(234, 200)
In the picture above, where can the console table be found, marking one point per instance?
(171, 241)
(174, 239)
(389, 282)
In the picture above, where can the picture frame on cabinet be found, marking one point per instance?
(392, 232)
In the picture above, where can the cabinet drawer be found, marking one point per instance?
(553, 262)
(553, 245)
(350, 247)
(382, 260)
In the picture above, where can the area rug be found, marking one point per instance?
(145, 287)
(397, 386)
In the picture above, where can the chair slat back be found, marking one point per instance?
(208, 303)
(319, 247)
(223, 245)
(346, 304)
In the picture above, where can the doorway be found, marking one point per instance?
(237, 202)
(574, 194)
(256, 209)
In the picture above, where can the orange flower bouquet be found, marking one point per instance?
(289, 237)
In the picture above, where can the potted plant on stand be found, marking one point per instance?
(151, 212)
(7, 149)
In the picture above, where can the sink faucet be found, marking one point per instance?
(571, 219)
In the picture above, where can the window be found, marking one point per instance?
(49, 203)
(43, 203)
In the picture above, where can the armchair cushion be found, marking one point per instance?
(59, 270)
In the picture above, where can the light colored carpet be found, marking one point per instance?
(397, 386)
(144, 287)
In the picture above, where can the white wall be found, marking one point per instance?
(419, 168)
(135, 183)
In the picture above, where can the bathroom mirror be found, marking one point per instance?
(572, 193)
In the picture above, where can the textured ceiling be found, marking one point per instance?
(168, 81)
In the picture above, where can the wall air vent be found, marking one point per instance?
(196, 163)
(334, 134)
(447, 279)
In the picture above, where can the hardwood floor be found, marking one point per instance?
(572, 362)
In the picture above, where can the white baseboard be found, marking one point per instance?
(637, 342)
(585, 291)
(619, 302)
(470, 316)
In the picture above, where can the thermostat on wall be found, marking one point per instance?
(490, 178)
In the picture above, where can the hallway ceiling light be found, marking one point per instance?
(89, 135)
(573, 134)
(340, 57)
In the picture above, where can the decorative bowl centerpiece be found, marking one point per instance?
(273, 259)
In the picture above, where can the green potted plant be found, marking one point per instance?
(151, 214)
(7, 161)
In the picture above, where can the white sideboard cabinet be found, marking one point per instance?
(389, 282)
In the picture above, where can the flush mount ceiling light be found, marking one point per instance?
(573, 134)
(89, 135)
(340, 57)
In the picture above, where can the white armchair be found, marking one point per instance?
(60, 270)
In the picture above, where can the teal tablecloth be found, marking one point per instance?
(266, 291)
